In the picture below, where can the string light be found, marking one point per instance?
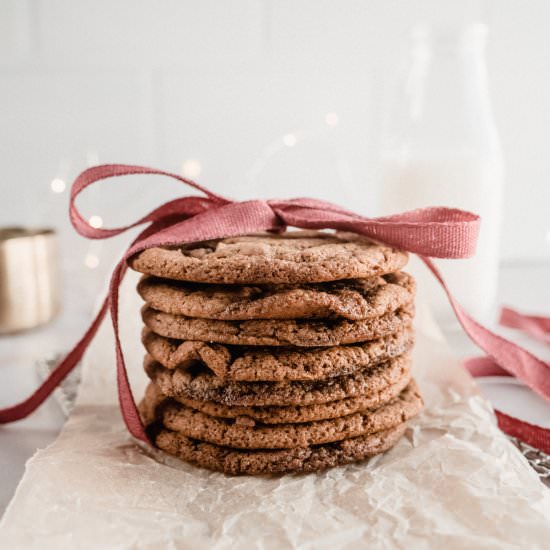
(318, 135)
(191, 168)
(331, 119)
(96, 221)
(289, 140)
(58, 185)
(91, 261)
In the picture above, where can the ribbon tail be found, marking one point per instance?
(533, 435)
(126, 399)
(536, 326)
(536, 436)
(128, 407)
(513, 358)
(484, 366)
(505, 357)
(29, 405)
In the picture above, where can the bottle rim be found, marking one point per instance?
(459, 36)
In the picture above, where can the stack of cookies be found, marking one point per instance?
(277, 353)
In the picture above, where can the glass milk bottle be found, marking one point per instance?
(441, 148)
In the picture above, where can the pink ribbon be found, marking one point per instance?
(429, 232)
(539, 328)
(534, 325)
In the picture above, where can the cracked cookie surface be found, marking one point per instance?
(290, 258)
(353, 299)
(205, 386)
(230, 433)
(277, 332)
(298, 460)
(276, 364)
(292, 414)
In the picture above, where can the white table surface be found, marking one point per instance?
(522, 286)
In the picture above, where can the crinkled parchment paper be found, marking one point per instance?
(454, 481)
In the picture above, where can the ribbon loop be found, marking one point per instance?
(184, 206)
(436, 232)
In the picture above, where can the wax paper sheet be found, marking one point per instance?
(454, 481)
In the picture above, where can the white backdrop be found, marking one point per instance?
(253, 97)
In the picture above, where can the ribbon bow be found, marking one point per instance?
(429, 232)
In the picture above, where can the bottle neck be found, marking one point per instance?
(452, 55)
(448, 73)
(444, 104)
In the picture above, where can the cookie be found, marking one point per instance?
(282, 415)
(297, 460)
(204, 386)
(353, 299)
(290, 258)
(242, 435)
(277, 364)
(277, 332)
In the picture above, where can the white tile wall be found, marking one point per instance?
(17, 31)
(149, 33)
(222, 83)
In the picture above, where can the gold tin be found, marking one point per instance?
(29, 278)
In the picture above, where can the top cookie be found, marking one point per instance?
(293, 257)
